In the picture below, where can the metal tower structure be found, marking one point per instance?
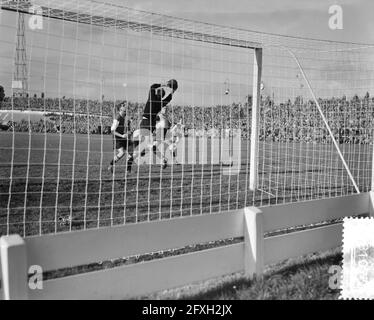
(20, 80)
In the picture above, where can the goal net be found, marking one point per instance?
(315, 121)
(68, 66)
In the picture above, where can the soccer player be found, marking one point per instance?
(176, 133)
(157, 99)
(166, 137)
(162, 124)
(162, 127)
(122, 135)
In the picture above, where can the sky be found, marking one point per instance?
(75, 60)
(303, 18)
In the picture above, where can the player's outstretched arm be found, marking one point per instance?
(173, 85)
(156, 90)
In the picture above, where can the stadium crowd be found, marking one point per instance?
(350, 120)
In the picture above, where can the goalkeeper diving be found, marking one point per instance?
(158, 98)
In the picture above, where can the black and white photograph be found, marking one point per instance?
(206, 150)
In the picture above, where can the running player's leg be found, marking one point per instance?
(164, 145)
(130, 151)
(160, 145)
(172, 148)
(174, 136)
(120, 152)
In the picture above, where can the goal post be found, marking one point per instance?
(315, 122)
(255, 111)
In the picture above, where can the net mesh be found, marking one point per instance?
(84, 59)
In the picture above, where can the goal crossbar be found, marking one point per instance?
(110, 22)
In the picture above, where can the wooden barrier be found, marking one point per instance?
(13, 267)
(52, 252)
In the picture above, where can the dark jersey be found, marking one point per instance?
(123, 125)
(154, 103)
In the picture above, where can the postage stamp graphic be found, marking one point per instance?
(358, 259)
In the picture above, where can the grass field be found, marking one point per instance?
(50, 182)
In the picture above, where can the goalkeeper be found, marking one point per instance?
(157, 99)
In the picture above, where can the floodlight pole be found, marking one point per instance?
(257, 71)
(20, 84)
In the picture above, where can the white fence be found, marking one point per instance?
(53, 252)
